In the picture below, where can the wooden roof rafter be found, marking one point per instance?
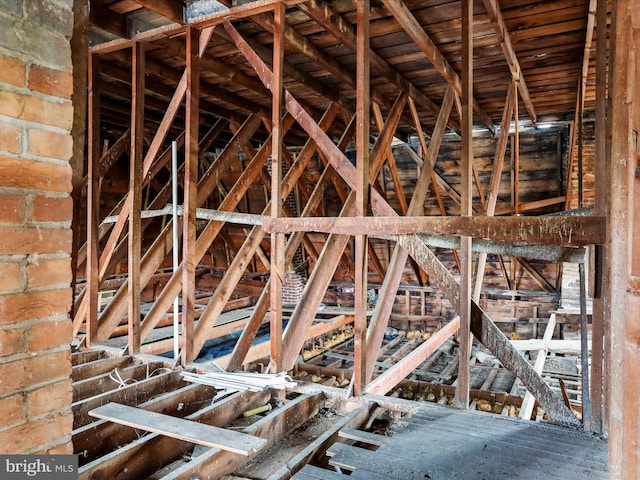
(502, 32)
(412, 27)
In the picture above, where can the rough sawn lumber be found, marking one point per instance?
(179, 428)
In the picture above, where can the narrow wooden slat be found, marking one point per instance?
(93, 204)
(181, 429)
(131, 394)
(135, 195)
(362, 436)
(97, 367)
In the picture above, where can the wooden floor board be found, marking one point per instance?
(441, 443)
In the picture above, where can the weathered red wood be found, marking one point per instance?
(135, 194)
(363, 122)
(277, 240)
(190, 188)
(323, 272)
(600, 309)
(622, 293)
(246, 339)
(496, 174)
(172, 288)
(394, 375)
(466, 199)
(167, 8)
(158, 250)
(493, 10)
(380, 317)
(537, 277)
(412, 27)
(93, 201)
(153, 150)
(553, 230)
(333, 22)
(489, 334)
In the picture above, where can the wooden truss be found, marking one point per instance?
(258, 135)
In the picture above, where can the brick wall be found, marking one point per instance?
(292, 287)
(36, 116)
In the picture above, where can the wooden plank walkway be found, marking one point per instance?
(181, 429)
(440, 443)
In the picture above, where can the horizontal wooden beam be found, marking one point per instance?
(553, 230)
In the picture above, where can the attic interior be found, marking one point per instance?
(444, 287)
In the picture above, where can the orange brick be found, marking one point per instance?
(12, 209)
(34, 109)
(11, 408)
(10, 278)
(46, 367)
(15, 307)
(11, 342)
(14, 240)
(47, 335)
(51, 271)
(10, 137)
(12, 71)
(30, 436)
(20, 374)
(50, 81)
(50, 144)
(52, 209)
(21, 173)
(49, 398)
(64, 448)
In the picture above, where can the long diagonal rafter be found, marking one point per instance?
(495, 14)
(398, 259)
(482, 326)
(164, 242)
(412, 27)
(209, 233)
(251, 329)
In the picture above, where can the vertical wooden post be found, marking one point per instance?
(192, 99)
(93, 198)
(277, 239)
(602, 208)
(516, 158)
(135, 194)
(363, 113)
(466, 275)
(80, 58)
(623, 288)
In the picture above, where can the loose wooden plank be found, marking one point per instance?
(179, 428)
(362, 436)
